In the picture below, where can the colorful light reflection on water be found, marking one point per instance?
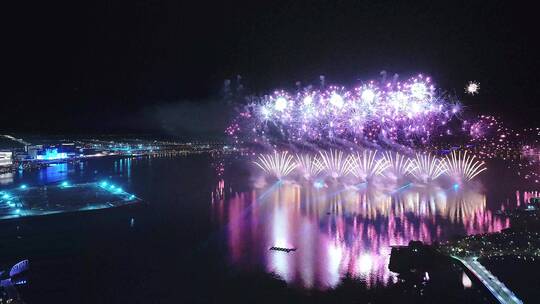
(341, 231)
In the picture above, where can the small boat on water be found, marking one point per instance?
(287, 250)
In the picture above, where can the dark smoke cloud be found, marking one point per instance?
(187, 120)
(196, 120)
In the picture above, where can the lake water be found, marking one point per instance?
(203, 234)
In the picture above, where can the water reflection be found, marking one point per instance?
(123, 167)
(54, 173)
(343, 230)
(6, 178)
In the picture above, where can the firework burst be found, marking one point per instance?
(366, 165)
(409, 112)
(399, 165)
(334, 163)
(426, 167)
(463, 167)
(472, 88)
(278, 164)
(309, 166)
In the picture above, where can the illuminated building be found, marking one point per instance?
(52, 154)
(6, 158)
(33, 150)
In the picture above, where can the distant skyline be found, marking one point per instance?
(111, 66)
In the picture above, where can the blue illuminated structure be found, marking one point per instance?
(23, 200)
(318, 184)
(115, 189)
(52, 154)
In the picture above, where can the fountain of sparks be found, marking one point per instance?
(308, 165)
(334, 163)
(278, 164)
(399, 165)
(365, 165)
(426, 167)
(462, 167)
(389, 167)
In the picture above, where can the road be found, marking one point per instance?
(496, 287)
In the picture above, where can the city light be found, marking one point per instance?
(52, 154)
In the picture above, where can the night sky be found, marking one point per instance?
(157, 66)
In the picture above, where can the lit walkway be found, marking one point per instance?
(501, 292)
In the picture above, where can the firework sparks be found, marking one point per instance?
(309, 166)
(492, 138)
(462, 167)
(366, 165)
(405, 112)
(472, 88)
(334, 163)
(426, 167)
(399, 165)
(278, 164)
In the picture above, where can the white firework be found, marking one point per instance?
(472, 88)
(426, 167)
(399, 165)
(334, 163)
(366, 165)
(463, 167)
(310, 166)
(278, 164)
